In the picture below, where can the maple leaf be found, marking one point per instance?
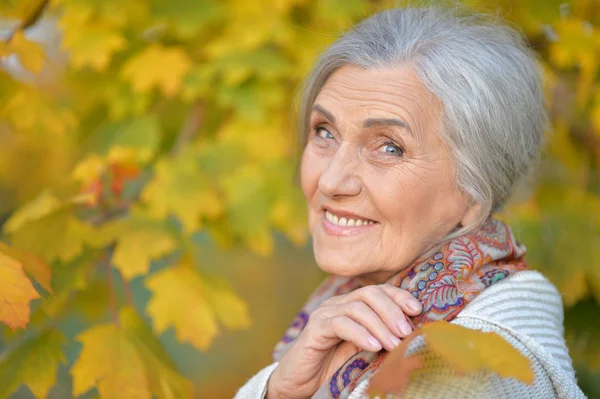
(180, 188)
(140, 240)
(126, 362)
(248, 207)
(30, 53)
(34, 266)
(110, 362)
(157, 66)
(63, 233)
(165, 381)
(205, 304)
(16, 292)
(89, 42)
(458, 349)
(34, 362)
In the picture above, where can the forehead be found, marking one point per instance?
(356, 93)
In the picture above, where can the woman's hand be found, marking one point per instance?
(369, 318)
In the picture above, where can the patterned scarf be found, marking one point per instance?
(444, 283)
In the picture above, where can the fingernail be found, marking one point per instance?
(404, 327)
(374, 343)
(395, 341)
(414, 305)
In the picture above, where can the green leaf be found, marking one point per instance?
(34, 362)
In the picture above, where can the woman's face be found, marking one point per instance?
(376, 175)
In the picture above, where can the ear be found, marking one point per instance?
(471, 214)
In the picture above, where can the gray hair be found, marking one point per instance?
(482, 72)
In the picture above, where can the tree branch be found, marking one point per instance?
(31, 19)
(111, 284)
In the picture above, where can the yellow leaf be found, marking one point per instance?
(196, 322)
(41, 206)
(109, 361)
(30, 53)
(16, 292)
(180, 188)
(140, 241)
(274, 143)
(31, 264)
(31, 110)
(472, 350)
(165, 381)
(231, 310)
(89, 168)
(157, 66)
(34, 362)
(58, 235)
(453, 356)
(89, 43)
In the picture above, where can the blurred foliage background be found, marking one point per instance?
(147, 162)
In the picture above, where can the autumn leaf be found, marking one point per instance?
(470, 350)
(64, 236)
(89, 43)
(33, 362)
(179, 188)
(206, 303)
(458, 348)
(41, 206)
(157, 66)
(126, 362)
(140, 241)
(110, 362)
(16, 293)
(34, 266)
(31, 54)
(165, 380)
(248, 207)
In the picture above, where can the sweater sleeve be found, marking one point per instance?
(256, 387)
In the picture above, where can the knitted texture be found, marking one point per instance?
(526, 310)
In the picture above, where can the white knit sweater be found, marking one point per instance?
(526, 310)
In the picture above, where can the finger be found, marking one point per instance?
(384, 305)
(364, 315)
(407, 302)
(346, 329)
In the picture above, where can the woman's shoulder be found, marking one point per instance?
(523, 297)
(524, 304)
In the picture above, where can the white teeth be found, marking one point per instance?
(346, 221)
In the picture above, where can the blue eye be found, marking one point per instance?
(392, 149)
(323, 133)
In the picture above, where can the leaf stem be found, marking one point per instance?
(189, 129)
(111, 285)
(126, 289)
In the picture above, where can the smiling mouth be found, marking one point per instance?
(346, 221)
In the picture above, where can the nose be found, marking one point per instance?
(340, 178)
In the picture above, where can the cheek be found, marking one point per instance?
(309, 174)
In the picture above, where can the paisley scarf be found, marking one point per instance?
(444, 282)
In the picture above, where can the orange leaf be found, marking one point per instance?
(33, 265)
(16, 292)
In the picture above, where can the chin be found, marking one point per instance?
(332, 263)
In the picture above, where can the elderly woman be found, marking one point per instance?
(417, 124)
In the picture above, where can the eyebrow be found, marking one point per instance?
(370, 122)
(387, 122)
